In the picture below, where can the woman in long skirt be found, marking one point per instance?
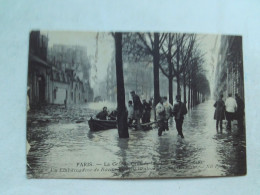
(219, 112)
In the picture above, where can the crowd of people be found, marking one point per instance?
(138, 110)
(231, 109)
(164, 110)
(139, 113)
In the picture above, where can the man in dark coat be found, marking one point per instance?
(113, 115)
(146, 112)
(138, 109)
(103, 114)
(240, 112)
(219, 114)
(179, 110)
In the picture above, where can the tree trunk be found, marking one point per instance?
(178, 72)
(184, 89)
(170, 78)
(198, 100)
(122, 113)
(170, 91)
(178, 85)
(195, 98)
(189, 100)
(156, 59)
(192, 98)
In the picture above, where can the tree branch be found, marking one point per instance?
(145, 43)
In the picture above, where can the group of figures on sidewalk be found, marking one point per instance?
(139, 114)
(231, 109)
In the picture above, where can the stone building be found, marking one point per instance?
(55, 80)
(39, 71)
(229, 76)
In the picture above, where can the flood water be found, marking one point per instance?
(63, 147)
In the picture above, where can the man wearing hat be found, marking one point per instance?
(240, 112)
(138, 108)
(146, 112)
(231, 107)
(160, 116)
(179, 110)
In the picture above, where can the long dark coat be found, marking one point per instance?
(220, 110)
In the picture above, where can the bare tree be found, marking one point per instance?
(187, 49)
(176, 53)
(197, 82)
(144, 46)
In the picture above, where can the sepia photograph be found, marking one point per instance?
(135, 105)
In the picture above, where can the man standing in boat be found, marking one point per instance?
(138, 108)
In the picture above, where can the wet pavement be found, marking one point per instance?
(63, 147)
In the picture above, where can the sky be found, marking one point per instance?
(210, 45)
(100, 50)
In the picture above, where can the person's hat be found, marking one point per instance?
(132, 92)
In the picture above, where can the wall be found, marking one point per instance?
(60, 92)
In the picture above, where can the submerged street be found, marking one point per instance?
(63, 146)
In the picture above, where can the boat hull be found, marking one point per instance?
(98, 125)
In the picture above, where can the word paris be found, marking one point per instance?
(135, 105)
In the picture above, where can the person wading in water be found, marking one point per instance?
(219, 114)
(179, 110)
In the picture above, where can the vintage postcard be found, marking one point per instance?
(135, 105)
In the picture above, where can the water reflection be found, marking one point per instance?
(123, 167)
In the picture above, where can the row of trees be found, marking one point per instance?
(177, 56)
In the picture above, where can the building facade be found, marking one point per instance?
(54, 79)
(39, 71)
(229, 76)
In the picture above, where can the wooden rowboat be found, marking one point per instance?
(97, 125)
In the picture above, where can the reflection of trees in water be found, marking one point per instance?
(233, 152)
(161, 164)
(39, 138)
(123, 166)
(174, 156)
(90, 135)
